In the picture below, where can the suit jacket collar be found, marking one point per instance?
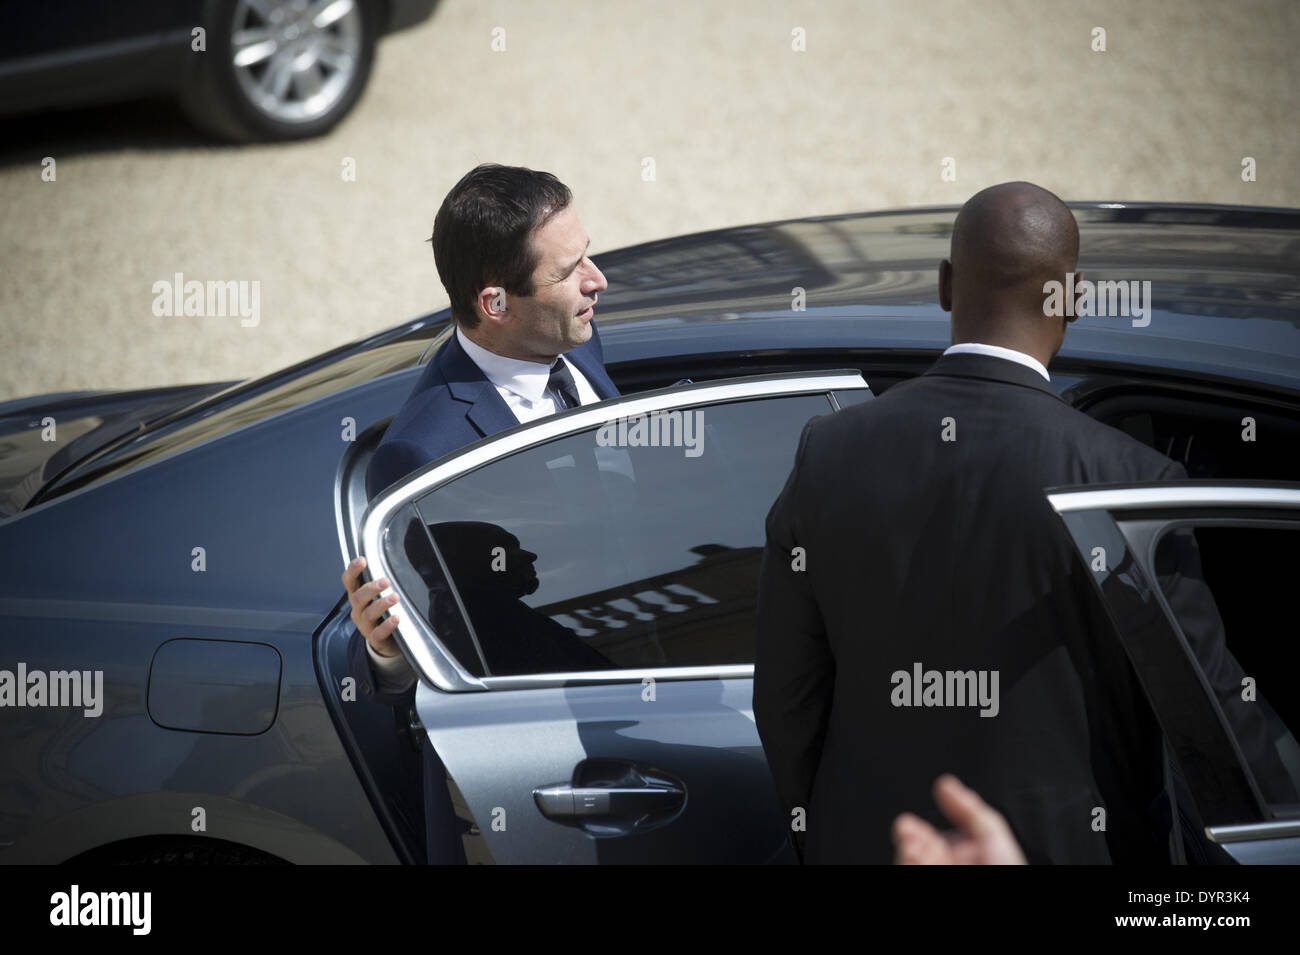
(991, 369)
(587, 363)
(488, 411)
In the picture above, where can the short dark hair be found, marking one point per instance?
(481, 233)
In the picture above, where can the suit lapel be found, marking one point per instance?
(594, 372)
(488, 411)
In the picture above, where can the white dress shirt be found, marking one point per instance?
(522, 384)
(997, 351)
(523, 387)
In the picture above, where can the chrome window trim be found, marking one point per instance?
(1282, 829)
(734, 671)
(339, 526)
(1178, 496)
(431, 660)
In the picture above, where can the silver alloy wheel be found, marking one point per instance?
(295, 59)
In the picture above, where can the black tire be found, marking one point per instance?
(152, 850)
(217, 101)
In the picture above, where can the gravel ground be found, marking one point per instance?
(740, 127)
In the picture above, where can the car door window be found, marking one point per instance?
(628, 546)
(1228, 587)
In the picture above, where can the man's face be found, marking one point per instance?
(557, 316)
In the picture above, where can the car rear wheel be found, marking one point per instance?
(280, 69)
(172, 850)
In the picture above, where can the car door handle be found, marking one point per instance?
(610, 798)
(564, 802)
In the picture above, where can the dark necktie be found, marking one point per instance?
(562, 384)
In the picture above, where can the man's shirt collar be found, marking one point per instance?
(997, 351)
(527, 379)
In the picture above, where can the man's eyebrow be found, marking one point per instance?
(567, 271)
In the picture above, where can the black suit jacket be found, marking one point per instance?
(945, 553)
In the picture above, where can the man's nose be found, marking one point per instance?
(597, 281)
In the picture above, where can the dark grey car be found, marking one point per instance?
(187, 544)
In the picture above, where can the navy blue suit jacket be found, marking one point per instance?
(453, 405)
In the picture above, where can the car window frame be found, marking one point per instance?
(1142, 515)
(430, 659)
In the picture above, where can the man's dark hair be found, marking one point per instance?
(481, 233)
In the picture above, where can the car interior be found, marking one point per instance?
(1205, 436)
(1249, 570)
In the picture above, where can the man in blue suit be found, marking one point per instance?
(454, 404)
(512, 256)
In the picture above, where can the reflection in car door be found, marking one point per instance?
(580, 595)
(1197, 578)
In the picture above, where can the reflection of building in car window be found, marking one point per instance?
(698, 615)
(701, 614)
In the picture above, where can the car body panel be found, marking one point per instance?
(501, 746)
(269, 577)
(84, 422)
(98, 566)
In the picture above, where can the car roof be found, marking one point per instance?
(1223, 286)
(1224, 293)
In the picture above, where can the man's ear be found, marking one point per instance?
(492, 302)
(945, 285)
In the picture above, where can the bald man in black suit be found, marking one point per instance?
(928, 546)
